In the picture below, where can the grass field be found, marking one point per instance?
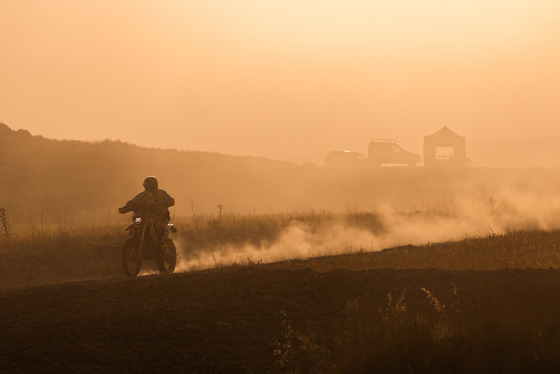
(473, 304)
(76, 249)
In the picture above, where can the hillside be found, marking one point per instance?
(46, 180)
(42, 175)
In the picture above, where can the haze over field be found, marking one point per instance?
(71, 182)
(285, 80)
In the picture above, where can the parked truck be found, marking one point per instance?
(386, 151)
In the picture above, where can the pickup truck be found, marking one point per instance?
(389, 152)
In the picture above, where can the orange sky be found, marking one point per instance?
(288, 79)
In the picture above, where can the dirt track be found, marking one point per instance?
(232, 320)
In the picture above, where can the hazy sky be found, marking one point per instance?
(284, 79)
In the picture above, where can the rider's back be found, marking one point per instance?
(158, 198)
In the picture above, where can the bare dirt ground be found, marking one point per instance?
(253, 319)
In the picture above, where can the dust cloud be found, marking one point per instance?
(454, 220)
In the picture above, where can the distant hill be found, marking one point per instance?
(539, 152)
(60, 180)
(39, 175)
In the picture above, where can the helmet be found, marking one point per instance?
(150, 184)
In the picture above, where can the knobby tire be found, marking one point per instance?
(131, 258)
(167, 259)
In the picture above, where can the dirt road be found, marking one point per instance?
(245, 320)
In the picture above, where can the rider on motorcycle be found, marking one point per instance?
(157, 202)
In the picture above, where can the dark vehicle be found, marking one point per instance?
(345, 159)
(389, 152)
(143, 244)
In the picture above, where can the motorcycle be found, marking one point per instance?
(143, 244)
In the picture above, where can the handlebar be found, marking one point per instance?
(140, 208)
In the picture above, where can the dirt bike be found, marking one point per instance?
(143, 243)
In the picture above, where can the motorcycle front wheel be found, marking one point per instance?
(131, 258)
(167, 258)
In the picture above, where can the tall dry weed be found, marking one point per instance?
(4, 223)
(297, 352)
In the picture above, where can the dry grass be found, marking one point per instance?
(67, 250)
(71, 250)
(534, 249)
(439, 337)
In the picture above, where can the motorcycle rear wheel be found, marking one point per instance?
(167, 258)
(131, 258)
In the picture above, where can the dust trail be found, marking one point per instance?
(297, 241)
(472, 216)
